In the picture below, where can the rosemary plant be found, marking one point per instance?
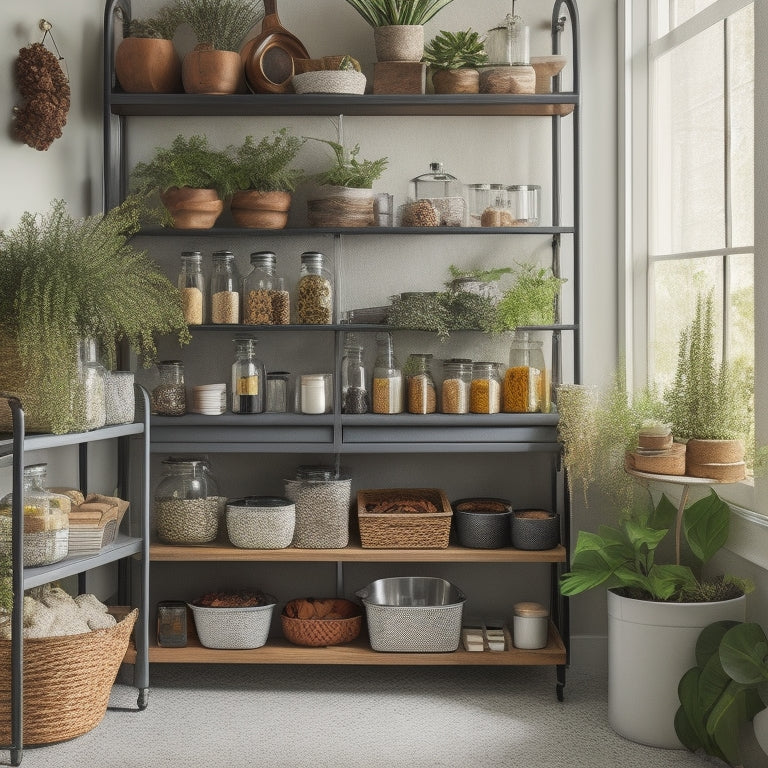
(531, 300)
(264, 166)
(222, 24)
(383, 13)
(348, 171)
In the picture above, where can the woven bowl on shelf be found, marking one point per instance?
(330, 81)
(318, 622)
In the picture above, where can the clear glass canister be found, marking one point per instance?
(90, 403)
(278, 383)
(444, 191)
(315, 290)
(457, 379)
(191, 284)
(422, 396)
(225, 289)
(482, 198)
(523, 202)
(169, 397)
(258, 285)
(485, 389)
(119, 397)
(46, 520)
(186, 510)
(526, 387)
(388, 389)
(248, 377)
(508, 43)
(354, 388)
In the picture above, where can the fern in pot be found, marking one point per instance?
(454, 58)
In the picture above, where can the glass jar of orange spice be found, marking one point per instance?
(485, 389)
(526, 382)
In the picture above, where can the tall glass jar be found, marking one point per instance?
(388, 394)
(422, 396)
(315, 290)
(508, 43)
(169, 397)
(248, 377)
(90, 402)
(485, 389)
(354, 388)
(457, 378)
(526, 382)
(225, 289)
(191, 284)
(186, 507)
(258, 285)
(46, 520)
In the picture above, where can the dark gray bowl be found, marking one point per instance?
(532, 533)
(482, 523)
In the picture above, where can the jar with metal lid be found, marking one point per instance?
(526, 382)
(315, 290)
(225, 289)
(169, 397)
(191, 284)
(186, 511)
(388, 389)
(354, 387)
(482, 198)
(444, 191)
(457, 380)
(248, 377)
(46, 520)
(90, 404)
(257, 287)
(523, 202)
(485, 388)
(422, 396)
(508, 43)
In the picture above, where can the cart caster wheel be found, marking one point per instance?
(560, 692)
(143, 699)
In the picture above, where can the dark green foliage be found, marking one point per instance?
(382, 13)
(531, 300)
(222, 24)
(162, 26)
(455, 50)
(264, 166)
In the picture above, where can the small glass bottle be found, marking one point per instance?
(225, 289)
(169, 397)
(315, 290)
(248, 378)
(485, 389)
(258, 285)
(422, 396)
(526, 382)
(354, 389)
(444, 191)
(388, 394)
(457, 379)
(191, 284)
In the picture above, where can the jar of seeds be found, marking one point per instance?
(455, 389)
(485, 389)
(119, 397)
(191, 284)
(258, 286)
(315, 290)
(186, 507)
(388, 389)
(422, 397)
(225, 289)
(169, 397)
(354, 387)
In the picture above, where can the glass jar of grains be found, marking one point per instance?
(457, 378)
(387, 378)
(225, 289)
(422, 397)
(258, 285)
(315, 290)
(526, 382)
(169, 397)
(485, 389)
(354, 388)
(191, 284)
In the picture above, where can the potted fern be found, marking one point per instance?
(263, 179)
(454, 58)
(344, 197)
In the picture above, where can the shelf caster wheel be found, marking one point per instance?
(143, 699)
(560, 691)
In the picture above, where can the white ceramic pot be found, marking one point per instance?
(650, 646)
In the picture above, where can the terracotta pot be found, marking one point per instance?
(206, 70)
(456, 81)
(399, 42)
(721, 460)
(192, 208)
(341, 207)
(260, 210)
(514, 79)
(148, 65)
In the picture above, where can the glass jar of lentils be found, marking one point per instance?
(169, 397)
(485, 389)
(315, 290)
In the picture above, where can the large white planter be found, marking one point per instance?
(650, 646)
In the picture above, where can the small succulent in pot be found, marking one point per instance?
(455, 57)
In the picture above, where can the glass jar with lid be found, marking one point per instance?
(169, 397)
(225, 289)
(354, 387)
(186, 507)
(526, 381)
(248, 377)
(444, 191)
(482, 199)
(388, 390)
(315, 290)
(508, 43)
(485, 388)
(257, 287)
(191, 284)
(422, 396)
(523, 201)
(457, 379)
(90, 404)
(46, 520)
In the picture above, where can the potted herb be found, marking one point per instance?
(530, 300)
(146, 60)
(398, 29)
(344, 197)
(63, 280)
(454, 58)
(263, 179)
(219, 26)
(191, 178)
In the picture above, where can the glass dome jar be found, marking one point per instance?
(457, 378)
(354, 388)
(191, 284)
(46, 520)
(186, 505)
(248, 377)
(485, 388)
(526, 381)
(257, 289)
(444, 191)
(169, 397)
(388, 394)
(422, 396)
(315, 290)
(225, 289)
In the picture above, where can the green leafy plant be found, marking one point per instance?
(222, 24)
(348, 171)
(186, 163)
(162, 26)
(531, 300)
(264, 166)
(455, 50)
(383, 13)
(481, 275)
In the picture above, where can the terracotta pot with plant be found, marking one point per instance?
(454, 57)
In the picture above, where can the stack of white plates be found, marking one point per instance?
(209, 399)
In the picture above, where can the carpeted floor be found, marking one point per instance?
(358, 717)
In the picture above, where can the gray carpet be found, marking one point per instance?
(358, 717)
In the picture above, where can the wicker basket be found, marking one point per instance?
(232, 628)
(319, 630)
(67, 682)
(401, 528)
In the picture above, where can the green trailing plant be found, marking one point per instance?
(455, 50)
(383, 13)
(222, 24)
(348, 170)
(162, 26)
(531, 299)
(64, 279)
(186, 163)
(264, 165)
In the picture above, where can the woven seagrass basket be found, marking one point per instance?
(341, 624)
(67, 682)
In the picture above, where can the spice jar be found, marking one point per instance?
(387, 378)
(315, 290)
(169, 397)
(46, 520)
(225, 293)
(526, 382)
(457, 380)
(444, 192)
(248, 378)
(422, 397)
(186, 511)
(354, 389)
(530, 626)
(191, 283)
(258, 285)
(485, 388)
